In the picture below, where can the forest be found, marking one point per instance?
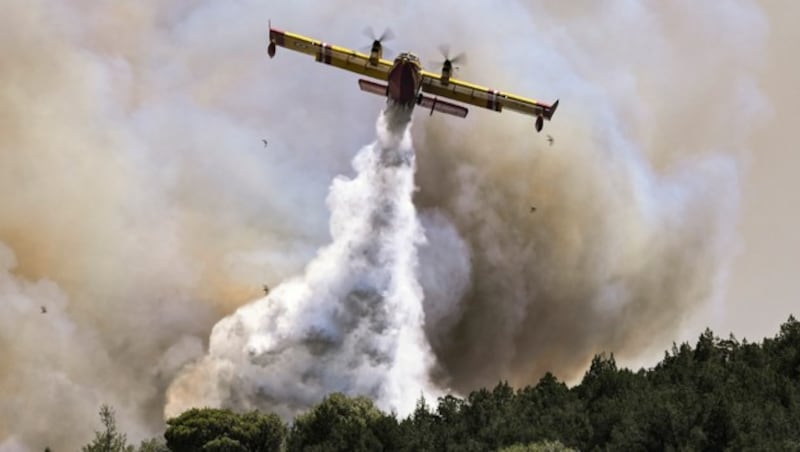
(718, 394)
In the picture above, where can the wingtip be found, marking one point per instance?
(552, 109)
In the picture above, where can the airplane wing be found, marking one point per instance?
(323, 52)
(487, 98)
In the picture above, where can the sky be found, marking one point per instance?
(140, 207)
(763, 285)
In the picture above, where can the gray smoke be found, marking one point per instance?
(353, 322)
(636, 201)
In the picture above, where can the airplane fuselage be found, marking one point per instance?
(405, 80)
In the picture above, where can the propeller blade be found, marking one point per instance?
(387, 35)
(369, 32)
(461, 59)
(444, 50)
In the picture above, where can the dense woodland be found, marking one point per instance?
(719, 394)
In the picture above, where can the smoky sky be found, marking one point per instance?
(351, 323)
(139, 205)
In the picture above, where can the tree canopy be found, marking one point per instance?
(718, 394)
(210, 429)
(110, 439)
(341, 423)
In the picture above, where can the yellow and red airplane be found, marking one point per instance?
(406, 80)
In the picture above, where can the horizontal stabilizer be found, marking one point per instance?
(372, 87)
(441, 106)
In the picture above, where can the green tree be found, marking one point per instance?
(197, 428)
(448, 426)
(388, 431)
(491, 418)
(224, 444)
(338, 423)
(551, 411)
(153, 445)
(109, 440)
(785, 349)
(718, 394)
(420, 429)
(541, 446)
(262, 432)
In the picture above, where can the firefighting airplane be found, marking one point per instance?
(406, 79)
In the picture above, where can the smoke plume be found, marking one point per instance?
(139, 207)
(352, 323)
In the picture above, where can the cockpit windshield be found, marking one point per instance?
(408, 56)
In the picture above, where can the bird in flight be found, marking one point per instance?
(550, 139)
(44, 310)
(266, 289)
(533, 209)
(264, 141)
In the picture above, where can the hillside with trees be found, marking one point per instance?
(718, 394)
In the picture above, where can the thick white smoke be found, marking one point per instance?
(353, 322)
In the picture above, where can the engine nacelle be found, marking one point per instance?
(447, 71)
(539, 123)
(376, 53)
(271, 49)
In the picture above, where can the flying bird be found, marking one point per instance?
(550, 139)
(44, 310)
(266, 289)
(533, 209)
(264, 141)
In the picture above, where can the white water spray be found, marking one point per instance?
(352, 323)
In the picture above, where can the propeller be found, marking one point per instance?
(458, 59)
(387, 35)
